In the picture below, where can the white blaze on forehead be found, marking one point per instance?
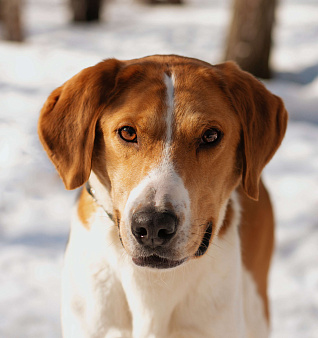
(169, 82)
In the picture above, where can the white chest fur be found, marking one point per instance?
(106, 295)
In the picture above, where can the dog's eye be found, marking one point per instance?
(211, 136)
(128, 134)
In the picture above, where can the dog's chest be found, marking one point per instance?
(168, 306)
(198, 299)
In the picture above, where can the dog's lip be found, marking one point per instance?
(203, 248)
(157, 262)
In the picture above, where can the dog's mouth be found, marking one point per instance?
(153, 260)
(157, 262)
(205, 241)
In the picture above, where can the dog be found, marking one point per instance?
(172, 234)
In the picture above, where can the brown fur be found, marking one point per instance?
(257, 238)
(86, 208)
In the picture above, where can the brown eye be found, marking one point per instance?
(211, 136)
(128, 134)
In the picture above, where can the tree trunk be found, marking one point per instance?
(249, 41)
(11, 18)
(86, 10)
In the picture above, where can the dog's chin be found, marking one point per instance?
(157, 262)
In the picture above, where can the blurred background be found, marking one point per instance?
(45, 42)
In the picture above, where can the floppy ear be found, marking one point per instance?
(68, 120)
(263, 119)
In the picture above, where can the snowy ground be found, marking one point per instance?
(35, 208)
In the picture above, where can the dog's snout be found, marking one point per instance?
(152, 228)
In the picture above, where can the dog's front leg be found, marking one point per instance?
(93, 301)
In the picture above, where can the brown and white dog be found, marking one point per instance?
(168, 239)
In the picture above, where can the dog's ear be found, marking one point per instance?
(263, 120)
(68, 120)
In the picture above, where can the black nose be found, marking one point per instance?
(154, 228)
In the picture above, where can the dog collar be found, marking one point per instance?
(91, 191)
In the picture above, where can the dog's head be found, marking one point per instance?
(170, 138)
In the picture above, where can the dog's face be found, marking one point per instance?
(170, 138)
(168, 144)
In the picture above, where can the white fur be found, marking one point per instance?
(101, 193)
(162, 183)
(169, 82)
(106, 295)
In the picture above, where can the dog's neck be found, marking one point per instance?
(100, 194)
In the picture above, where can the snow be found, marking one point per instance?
(34, 206)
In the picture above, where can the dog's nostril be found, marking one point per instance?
(164, 233)
(141, 232)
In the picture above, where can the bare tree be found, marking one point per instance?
(250, 37)
(11, 12)
(86, 10)
(89, 10)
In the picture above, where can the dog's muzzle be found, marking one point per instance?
(154, 230)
